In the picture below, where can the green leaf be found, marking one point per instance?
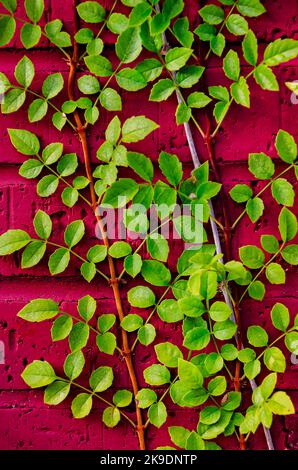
(92, 115)
(106, 343)
(183, 113)
(231, 65)
(217, 44)
(141, 296)
(139, 14)
(220, 311)
(84, 36)
(74, 364)
(250, 48)
(34, 9)
(24, 141)
(81, 405)
(37, 110)
(257, 290)
(158, 247)
(179, 435)
(212, 14)
(120, 193)
(210, 415)
(110, 100)
(10, 5)
(7, 29)
(59, 120)
(217, 386)
(150, 69)
(61, 327)
(224, 330)
(255, 208)
(14, 100)
(68, 164)
(172, 8)
(122, 398)
(229, 352)
(31, 169)
(257, 336)
(251, 8)
(101, 379)
(169, 312)
(56, 392)
(291, 342)
(265, 78)
(70, 197)
(280, 317)
(141, 165)
(137, 128)
(88, 271)
(33, 254)
(95, 47)
(88, 84)
(283, 192)
(13, 240)
(251, 256)
(281, 404)
(147, 334)
(171, 167)
(79, 336)
(157, 374)
(91, 12)
(198, 100)
(177, 57)
(164, 196)
(162, 90)
(74, 233)
(105, 322)
(197, 338)
(117, 23)
(24, 72)
(133, 264)
(189, 75)
(145, 397)
(59, 261)
(130, 79)
(38, 374)
(120, 249)
(240, 92)
(111, 416)
(241, 193)
(237, 25)
(286, 146)
(279, 51)
(191, 306)
(87, 307)
(158, 24)
(275, 274)
(168, 354)
(132, 322)
(274, 359)
(39, 310)
(99, 65)
(129, 45)
(270, 243)
(157, 414)
(290, 254)
(287, 224)
(52, 153)
(189, 373)
(155, 273)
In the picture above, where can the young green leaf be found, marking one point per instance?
(38, 374)
(24, 141)
(91, 12)
(24, 72)
(39, 310)
(13, 240)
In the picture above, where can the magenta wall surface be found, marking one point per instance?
(25, 422)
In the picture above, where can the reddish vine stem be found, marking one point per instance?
(114, 281)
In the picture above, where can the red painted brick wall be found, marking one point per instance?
(25, 422)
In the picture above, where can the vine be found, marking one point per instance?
(205, 295)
